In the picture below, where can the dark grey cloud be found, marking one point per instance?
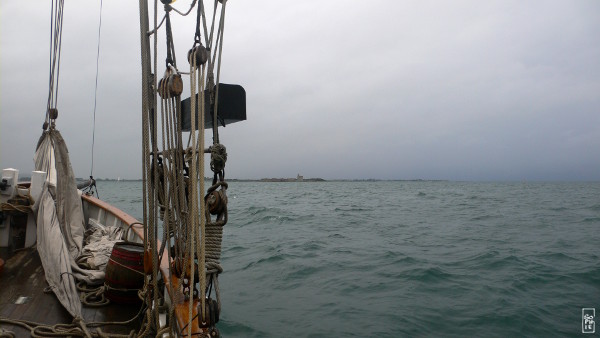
(375, 89)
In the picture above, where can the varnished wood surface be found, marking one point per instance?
(123, 216)
(182, 311)
(23, 276)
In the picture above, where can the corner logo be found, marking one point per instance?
(588, 325)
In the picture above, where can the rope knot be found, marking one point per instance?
(77, 320)
(218, 157)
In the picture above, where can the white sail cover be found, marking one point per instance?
(60, 223)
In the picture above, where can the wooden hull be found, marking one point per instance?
(23, 293)
(109, 215)
(22, 284)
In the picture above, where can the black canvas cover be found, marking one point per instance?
(231, 107)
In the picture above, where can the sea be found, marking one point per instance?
(405, 258)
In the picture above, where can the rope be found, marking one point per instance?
(96, 90)
(220, 44)
(186, 13)
(126, 234)
(194, 204)
(170, 47)
(197, 38)
(148, 128)
(92, 297)
(200, 150)
(16, 208)
(81, 323)
(126, 267)
(154, 224)
(197, 150)
(157, 27)
(6, 334)
(56, 20)
(175, 191)
(78, 328)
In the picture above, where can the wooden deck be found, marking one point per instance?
(23, 276)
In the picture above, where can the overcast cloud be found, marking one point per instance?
(459, 90)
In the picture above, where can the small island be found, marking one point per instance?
(299, 178)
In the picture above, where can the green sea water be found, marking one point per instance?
(404, 259)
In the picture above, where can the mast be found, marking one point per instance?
(149, 169)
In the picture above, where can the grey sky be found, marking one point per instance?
(460, 90)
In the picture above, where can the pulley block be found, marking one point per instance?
(184, 272)
(170, 86)
(198, 55)
(53, 113)
(217, 202)
(212, 313)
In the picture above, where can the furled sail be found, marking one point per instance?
(55, 255)
(52, 157)
(60, 223)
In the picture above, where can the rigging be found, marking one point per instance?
(192, 216)
(96, 91)
(56, 15)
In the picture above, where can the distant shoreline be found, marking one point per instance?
(283, 180)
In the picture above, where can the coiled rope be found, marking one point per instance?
(78, 328)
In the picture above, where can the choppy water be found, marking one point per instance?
(392, 259)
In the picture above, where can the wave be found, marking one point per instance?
(595, 207)
(395, 259)
(231, 328)
(485, 217)
(432, 274)
(273, 259)
(353, 208)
